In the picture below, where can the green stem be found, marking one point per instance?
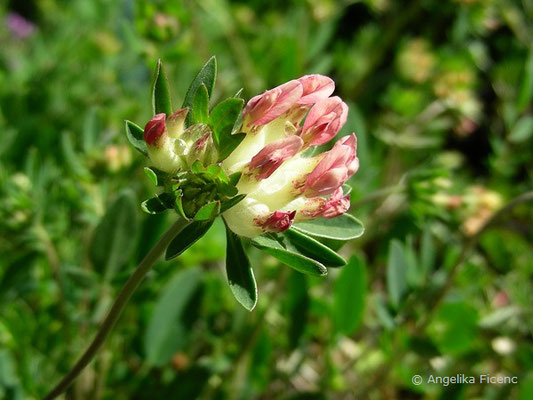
(118, 306)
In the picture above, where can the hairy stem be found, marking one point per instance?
(118, 306)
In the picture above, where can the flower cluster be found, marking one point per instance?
(281, 184)
(173, 148)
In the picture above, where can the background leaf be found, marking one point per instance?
(114, 238)
(166, 332)
(350, 296)
(396, 273)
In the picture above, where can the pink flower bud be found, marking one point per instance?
(175, 122)
(315, 88)
(264, 163)
(337, 204)
(335, 168)
(278, 221)
(324, 121)
(155, 130)
(266, 107)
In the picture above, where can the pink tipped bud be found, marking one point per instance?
(335, 168)
(266, 107)
(264, 163)
(154, 130)
(315, 88)
(324, 121)
(336, 205)
(175, 122)
(278, 221)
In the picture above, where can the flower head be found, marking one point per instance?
(19, 26)
(283, 186)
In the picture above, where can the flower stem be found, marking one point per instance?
(118, 306)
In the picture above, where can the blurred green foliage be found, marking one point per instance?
(440, 96)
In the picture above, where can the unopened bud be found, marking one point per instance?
(155, 131)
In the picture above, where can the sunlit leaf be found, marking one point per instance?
(344, 227)
(160, 92)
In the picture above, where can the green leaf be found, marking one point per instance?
(383, 314)
(200, 106)
(207, 212)
(234, 178)
(229, 144)
(206, 76)
(166, 332)
(114, 238)
(526, 88)
(227, 204)
(396, 273)
(197, 167)
(312, 248)
(153, 206)
(454, 328)
(187, 237)
(151, 175)
(160, 92)
(298, 304)
(179, 205)
(427, 252)
(271, 245)
(343, 227)
(350, 293)
(216, 171)
(522, 130)
(134, 133)
(346, 189)
(222, 121)
(72, 159)
(240, 274)
(226, 189)
(414, 274)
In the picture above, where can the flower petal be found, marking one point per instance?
(155, 129)
(324, 121)
(315, 88)
(264, 163)
(278, 221)
(267, 107)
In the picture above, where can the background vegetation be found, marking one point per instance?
(440, 96)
